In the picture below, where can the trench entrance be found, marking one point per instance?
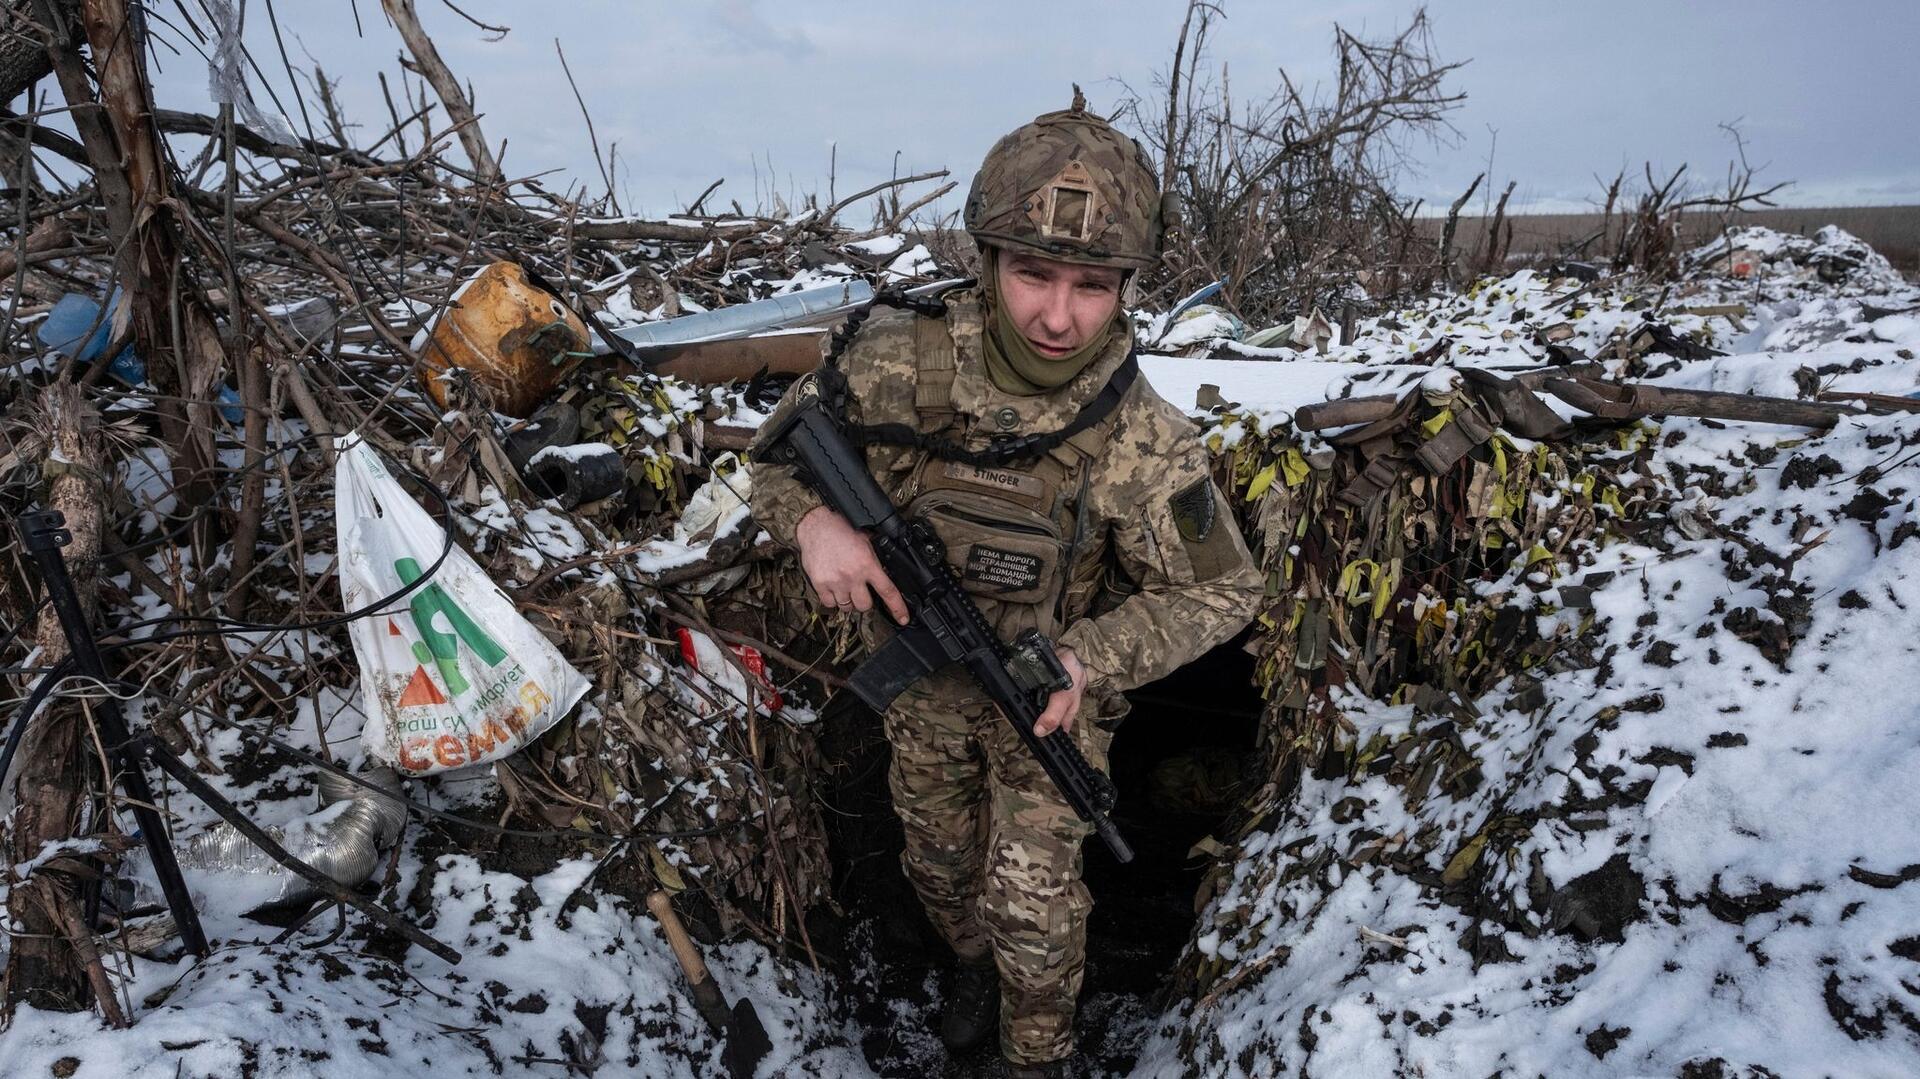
(1180, 761)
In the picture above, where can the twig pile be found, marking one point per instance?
(315, 265)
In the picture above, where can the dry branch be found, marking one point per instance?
(427, 61)
(49, 237)
(1290, 198)
(1453, 222)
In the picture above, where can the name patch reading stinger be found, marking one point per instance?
(1001, 570)
(998, 479)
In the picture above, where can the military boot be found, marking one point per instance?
(972, 1010)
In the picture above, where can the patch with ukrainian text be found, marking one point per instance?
(1001, 570)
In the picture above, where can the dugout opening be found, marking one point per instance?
(1182, 761)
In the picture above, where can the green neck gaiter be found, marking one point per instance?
(1015, 366)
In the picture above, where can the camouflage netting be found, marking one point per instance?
(1554, 732)
(1425, 592)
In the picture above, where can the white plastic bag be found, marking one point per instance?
(451, 675)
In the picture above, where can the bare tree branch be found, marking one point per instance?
(459, 107)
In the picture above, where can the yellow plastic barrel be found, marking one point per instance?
(510, 336)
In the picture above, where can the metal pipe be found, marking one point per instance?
(572, 475)
(804, 308)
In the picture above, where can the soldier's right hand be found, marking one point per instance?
(840, 564)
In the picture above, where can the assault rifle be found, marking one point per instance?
(945, 627)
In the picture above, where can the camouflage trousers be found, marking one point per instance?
(994, 854)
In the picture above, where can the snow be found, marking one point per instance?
(1759, 797)
(1762, 800)
(913, 263)
(1202, 323)
(572, 454)
(879, 245)
(293, 1010)
(622, 311)
(833, 273)
(1258, 385)
(147, 481)
(1898, 329)
(1797, 805)
(57, 848)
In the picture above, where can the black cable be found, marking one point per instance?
(35, 698)
(421, 808)
(27, 620)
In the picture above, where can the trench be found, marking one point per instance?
(1179, 760)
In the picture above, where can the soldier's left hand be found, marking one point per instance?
(1064, 704)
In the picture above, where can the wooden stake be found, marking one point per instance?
(59, 904)
(50, 788)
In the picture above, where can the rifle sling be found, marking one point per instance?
(1004, 449)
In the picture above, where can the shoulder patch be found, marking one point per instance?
(1194, 510)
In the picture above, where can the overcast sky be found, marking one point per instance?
(691, 92)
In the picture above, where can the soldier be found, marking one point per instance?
(1108, 538)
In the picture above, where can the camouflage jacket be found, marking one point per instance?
(1116, 543)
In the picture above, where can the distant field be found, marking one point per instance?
(1894, 231)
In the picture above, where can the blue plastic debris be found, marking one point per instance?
(1201, 295)
(77, 328)
(66, 328)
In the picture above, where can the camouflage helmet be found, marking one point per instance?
(1068, 186)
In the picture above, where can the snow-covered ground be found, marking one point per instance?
(1761, 806)
(1715, 864)
(553, 975)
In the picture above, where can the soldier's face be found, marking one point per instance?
(1057, 306)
